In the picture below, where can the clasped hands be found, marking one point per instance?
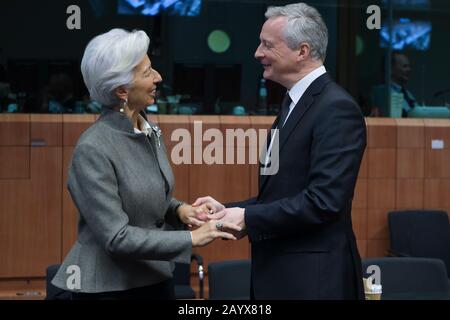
(210, 209)
(213, 221)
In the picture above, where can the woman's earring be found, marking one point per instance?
(124, 104)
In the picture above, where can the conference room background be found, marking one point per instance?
(204, 51)
(36, 43)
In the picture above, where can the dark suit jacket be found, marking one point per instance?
(303, 245)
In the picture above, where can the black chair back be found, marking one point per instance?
(421, 233)
(410, 278)
(181, 278)
(229, 280)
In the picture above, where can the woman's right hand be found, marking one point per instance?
(212, 204)
(208, 232)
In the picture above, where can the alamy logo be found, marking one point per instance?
(374, 20)
(375, 274)
(74, 20)
(231, 149)
(73, 281)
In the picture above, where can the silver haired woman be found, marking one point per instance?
(131, 230)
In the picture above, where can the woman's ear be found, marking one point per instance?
(121, 93)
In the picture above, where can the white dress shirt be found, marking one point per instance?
(296, 93)
(144, 126)
(300, 87)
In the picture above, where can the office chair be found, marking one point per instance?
(420, 233)
(229, 280)
(182, 277)
(411, 278)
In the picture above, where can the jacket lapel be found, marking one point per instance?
(161, 155)
(262, 178)
(302, 106)
(296, 115)
(121, 122)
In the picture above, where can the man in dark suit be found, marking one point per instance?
(303, 245)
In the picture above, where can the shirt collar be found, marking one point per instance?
(144, 125)
(297, 91)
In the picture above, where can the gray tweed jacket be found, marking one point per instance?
(121, 183)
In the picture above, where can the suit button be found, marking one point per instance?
(159, 223)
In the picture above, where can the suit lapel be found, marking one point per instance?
(163, 162)
(120, 121)
(262, 178)
(302, 106)
(296, 115)
(160, 153)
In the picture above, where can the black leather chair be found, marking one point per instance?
(52, 292)
(420, 233)
(182, 278)
(229, 280)
(411, 278)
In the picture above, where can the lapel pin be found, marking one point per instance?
(158, 134)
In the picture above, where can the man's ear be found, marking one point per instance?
(122, 93)
(304, 51)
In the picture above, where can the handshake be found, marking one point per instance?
(213, 221)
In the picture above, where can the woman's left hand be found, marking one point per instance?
(195, 216)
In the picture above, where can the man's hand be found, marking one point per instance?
(235, 216)
(215, 208)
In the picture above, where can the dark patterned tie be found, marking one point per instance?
(284, 110)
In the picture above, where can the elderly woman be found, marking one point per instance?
(131, 230)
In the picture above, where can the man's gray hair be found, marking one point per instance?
(109, 61)
(304, 24)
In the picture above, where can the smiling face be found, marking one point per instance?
(142, 91)
(280, 63)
